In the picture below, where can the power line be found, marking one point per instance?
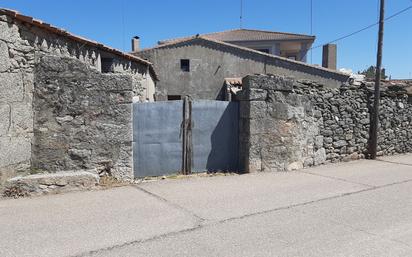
(365, 28)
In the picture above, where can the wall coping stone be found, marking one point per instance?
(51, 183)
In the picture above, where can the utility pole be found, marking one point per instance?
(375, 114)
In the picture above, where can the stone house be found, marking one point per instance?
(198, 66)
(288, 45)
(23, 42)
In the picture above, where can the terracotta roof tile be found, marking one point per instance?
(248, 35)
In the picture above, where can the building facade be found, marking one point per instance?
(198, 67)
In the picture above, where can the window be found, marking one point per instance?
(185, 65)
(263, 50)
(173, 97)
(292, 57)
(107, 65)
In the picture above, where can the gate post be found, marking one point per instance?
(187, 136)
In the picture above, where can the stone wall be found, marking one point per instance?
(344, 118)
(82, 118)
(21, 47)
(288, 124)
(16, 86)
(279, 129)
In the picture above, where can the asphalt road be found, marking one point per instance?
(361, 208)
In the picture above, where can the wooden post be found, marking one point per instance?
(375, 115)
(184, 136)
(189, 145)
(187, 136)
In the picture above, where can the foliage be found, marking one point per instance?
(370, 73)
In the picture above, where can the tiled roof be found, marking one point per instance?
(40, 24)
(249, 35)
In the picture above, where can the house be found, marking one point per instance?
(198, 65)
(288, 45)
(23, 42)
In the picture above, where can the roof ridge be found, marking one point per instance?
(218, 32)
(200, 34)
(278, 32)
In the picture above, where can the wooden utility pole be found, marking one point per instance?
(375, 114)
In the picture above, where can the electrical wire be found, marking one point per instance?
(363, 29)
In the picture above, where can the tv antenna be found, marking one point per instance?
(311, 29)
(241, 12)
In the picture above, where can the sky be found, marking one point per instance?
(115, 22)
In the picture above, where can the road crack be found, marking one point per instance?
(201, 223)
(199, 219)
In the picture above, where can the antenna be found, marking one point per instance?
(123, 28)
(311, 17)
(241, 12)
(311, 29)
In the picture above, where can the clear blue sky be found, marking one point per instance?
(114, 22)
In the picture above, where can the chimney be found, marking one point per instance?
(329, 56)
(136, 44)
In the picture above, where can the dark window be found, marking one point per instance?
(263, 50)
(107, 65)
(185, 65)
(173, 97)
(292, 57)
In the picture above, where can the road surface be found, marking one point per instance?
(361, 208)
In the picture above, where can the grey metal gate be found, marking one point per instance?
(215, 135)
(157, 137)
(157, 145)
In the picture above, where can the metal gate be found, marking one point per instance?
(215, 136)
(157, 137)
(157, 145)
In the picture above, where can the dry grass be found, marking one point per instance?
(109, 181)
(181, 176)
(15, 191)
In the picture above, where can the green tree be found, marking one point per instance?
(370, 73)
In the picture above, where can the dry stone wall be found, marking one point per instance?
(288, 124)
(21, 47)
(278, 128)
(16, 86)
(344, 119)
(82, 118)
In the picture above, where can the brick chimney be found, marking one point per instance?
(329, 56)
(136, 44)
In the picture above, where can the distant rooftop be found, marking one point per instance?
(248, 35)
